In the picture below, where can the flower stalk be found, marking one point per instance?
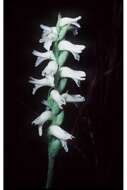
(55, 75)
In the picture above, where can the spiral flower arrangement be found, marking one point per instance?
(55, 75)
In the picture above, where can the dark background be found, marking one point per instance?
(95, 158)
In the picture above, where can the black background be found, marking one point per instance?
(94, 159)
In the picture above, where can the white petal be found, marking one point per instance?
(44, 27)
(36, 87)
(39, 60)
(40, 130)
(38, 81)
(77, 82)
(64, 145)
(37, 53)
(76, 56)
(59, 16)
(76, 24)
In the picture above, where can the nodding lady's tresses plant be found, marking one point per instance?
(55, 76)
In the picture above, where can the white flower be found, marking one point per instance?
(47, 81)
(77, 76)
(73, 97)
(45, 116)
(57, 98)
(49, 35)
(61, 134)
(43, 56)
(65, 45)
(50, 69)
(70, 21)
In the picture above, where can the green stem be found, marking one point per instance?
(51, 161)
(54, 146)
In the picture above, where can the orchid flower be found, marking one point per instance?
(73, 97)
(77, 76)
(68, 21)
(40, 120)
(55, 95)
(65, 45)
(49, 35)
(50, 69)
(47, 81)
(61, 134)
(43, 56)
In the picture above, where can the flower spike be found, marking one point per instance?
(55, 76)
